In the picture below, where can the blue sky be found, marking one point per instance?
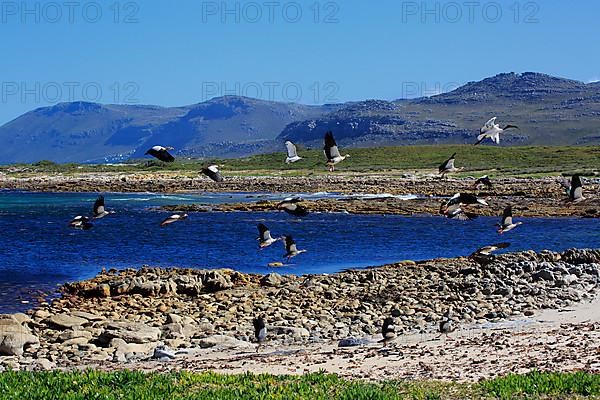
(177, 53)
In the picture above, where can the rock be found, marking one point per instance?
(543, 274)
(45, 365)
(130, 332)
(65, 321)
(294, 333)
(353, 342)
(14, 337)
(122, 346)
(272, 279)
(163, 353)
(215, 281)
(88, 316)
(223, 342)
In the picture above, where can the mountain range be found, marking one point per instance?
(549, 111)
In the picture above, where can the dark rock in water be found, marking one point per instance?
(353, 342)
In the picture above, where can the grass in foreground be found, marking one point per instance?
(184, 385)
(528, 161)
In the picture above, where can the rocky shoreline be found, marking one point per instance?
(122, 318)
(529, 196)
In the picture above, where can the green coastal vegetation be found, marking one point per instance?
(528, 161)
(130, 385)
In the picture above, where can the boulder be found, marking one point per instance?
(65, 321)
(14, 336)
(223, 342)
(130, 332)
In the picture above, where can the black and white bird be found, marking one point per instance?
(81, 222)
(212, 171)
(173, 218)
(457, 213)
(388, 331)
(575, 190)
(492, 131)
(260, 330)
(291, 206)
(447, 167)
(332, 152)
(99, 209)
(484, 180)
(488, 250)
(507, 223)
(464, 200)
(292, 153)
(291, 249)
(162, 153)
(264, 237)
(446, 323)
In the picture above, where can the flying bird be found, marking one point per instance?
(507, 221)
(485, 181)
(81, 222)
(173, 218)
(575, 191)
(162, 153)
(99, 209)
(465, 199)
(291, 206)
(457, 213)
(291, 249)
(212, 171)
(492, 131)
(488, 250)
(388, 331)
(260, 330)
(448, 167)
(264, 235)
(292, 154)
(332, 152)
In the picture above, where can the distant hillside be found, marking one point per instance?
(80, 131)
(549, 110)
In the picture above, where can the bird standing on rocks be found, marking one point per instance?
(447, 167)
(161, 153)
(264, 236)
(212, 171)
(291, 206)
(388, 331)
(492, 131)
(260, 330)
(332, 152)
(99, 209)
(507, 221)
(485, 181)
(575, 191)
(173, 218)
(291, 249)
(292, 153)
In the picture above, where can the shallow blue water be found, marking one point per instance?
(39, 251)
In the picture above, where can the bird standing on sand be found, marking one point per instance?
(484, 180)
(291, 249)
(507, 221)
(447, 324)
(492, 131)
(162, 153)
(212, 171)
(291, 206)
(99, 210)
(388, 331)
(264, 236)
(575, 191)
(81, 222)
(173, 218)
(447, 167)
(292, 154)
(260, 330)
(332, 152)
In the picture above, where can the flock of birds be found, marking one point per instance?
(456, 208)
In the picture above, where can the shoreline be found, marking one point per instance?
(120, 318)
